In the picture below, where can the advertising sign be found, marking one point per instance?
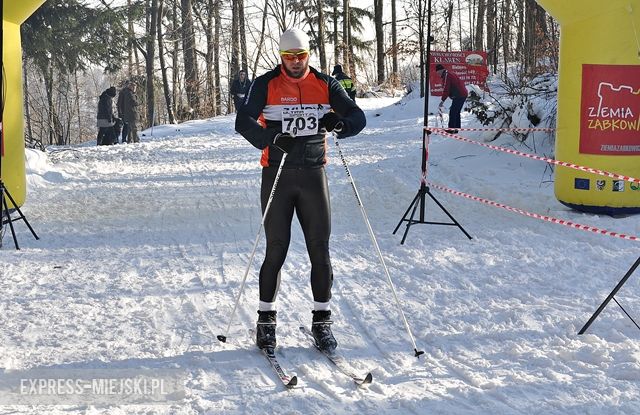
(470, 66)
(610, 110)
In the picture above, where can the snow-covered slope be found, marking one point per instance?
(143, 248)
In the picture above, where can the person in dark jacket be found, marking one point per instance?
(127, 110)
(290, 109)
(239, 88)
(455, 89)
(345, 81)
(105, 119)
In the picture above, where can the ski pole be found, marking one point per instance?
(221, 337)
(375, 244)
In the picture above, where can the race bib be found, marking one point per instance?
(298, 121)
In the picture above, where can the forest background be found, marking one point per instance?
(184, 54)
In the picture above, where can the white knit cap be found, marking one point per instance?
(294, 39)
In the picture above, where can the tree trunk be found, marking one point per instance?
(449, 18)
(210, 105)
(529, 36)
(261, 41)
(152, 12)
(394, 41)
(460, 26)
(336, 42)
(190, 62)
(174, 61)
(130, 41)
(163, 66)
(506, 33)
(478, 41)
(492, 38)
(27, 106)
(234, 66)
(378, 5)
(235, 40)
(520, 35)
(352, 61)
(472, 36)
(76, 88)
(48, 86)
(243, 37)
(321, 37)
(345, 33)
(216, 55)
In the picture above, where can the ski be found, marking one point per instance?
(339, 362)
(288, 381)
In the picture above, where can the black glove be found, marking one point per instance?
(284, 142)
(331, 121)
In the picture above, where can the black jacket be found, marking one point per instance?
(274, 93)
(239, 90)
(105, 107)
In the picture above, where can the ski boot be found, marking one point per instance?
(321, 330)
(266, 330)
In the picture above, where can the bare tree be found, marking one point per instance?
(394, 41)
(209, 106)
(234, 65)
(243, 37)
(262, 36)
(378, 5)
(506, 32)
(479, 35)
(175, 59)
(336, 44)
(345, 33)
(449, 18)
(152, 16)
(131, 49)
(529, 58)
(190, 62)
(492, 35)
(321, 36)
(216, 55)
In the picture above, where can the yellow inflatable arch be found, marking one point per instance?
(14, 13)
(598, 103)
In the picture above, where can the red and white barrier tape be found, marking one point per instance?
(537, 216)
(507, 129)
(442, 132)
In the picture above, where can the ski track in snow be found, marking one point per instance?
(143, 248)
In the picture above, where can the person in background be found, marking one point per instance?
(239, 88)
(105, 118)
(455, 89)
(345, 81)
(128, 112)
(289, 110)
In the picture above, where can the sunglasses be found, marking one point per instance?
(292, 56)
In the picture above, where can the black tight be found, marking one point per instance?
(306, 192)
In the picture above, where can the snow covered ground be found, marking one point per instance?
(143, 248)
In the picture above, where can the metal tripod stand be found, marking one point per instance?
(419, 199)
(5, 214)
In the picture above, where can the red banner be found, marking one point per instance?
(470, 66)
(610, 110)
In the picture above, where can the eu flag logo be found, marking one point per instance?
(581, 184)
